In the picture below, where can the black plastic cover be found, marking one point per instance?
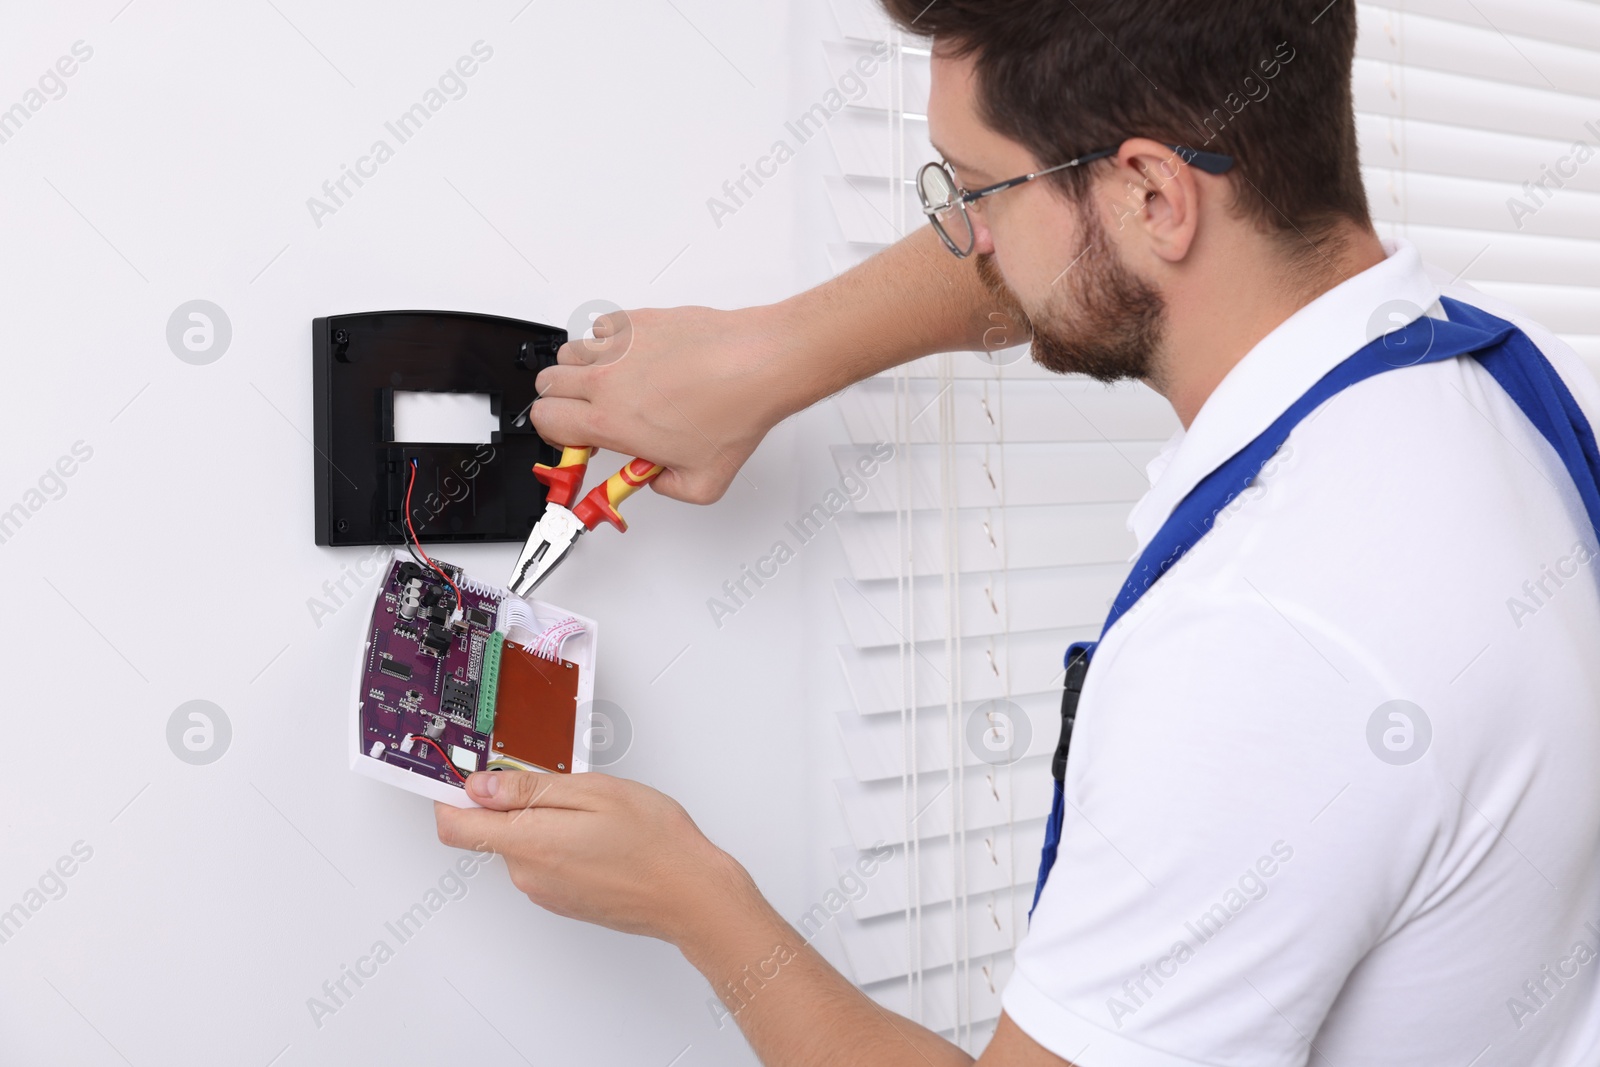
(464, 492)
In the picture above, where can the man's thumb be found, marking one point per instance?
(505, 790)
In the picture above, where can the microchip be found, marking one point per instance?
(395, 669)
(478, 618)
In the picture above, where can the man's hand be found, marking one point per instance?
(601, 849)
(690, 388)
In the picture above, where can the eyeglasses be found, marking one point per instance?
(945, 202)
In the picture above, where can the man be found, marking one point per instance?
(1331, 791)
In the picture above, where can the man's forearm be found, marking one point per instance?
(912, 299)
(795, 1009)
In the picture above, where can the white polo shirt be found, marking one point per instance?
(1266, 861)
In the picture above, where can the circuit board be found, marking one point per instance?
(435, 682)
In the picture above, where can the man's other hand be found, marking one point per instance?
(601, 849)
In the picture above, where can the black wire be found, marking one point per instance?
(406, 540)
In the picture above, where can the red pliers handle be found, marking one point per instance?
(565, 481)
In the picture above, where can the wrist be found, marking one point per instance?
(778, 382)
(723, 917)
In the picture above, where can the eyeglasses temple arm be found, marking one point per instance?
(990, 190)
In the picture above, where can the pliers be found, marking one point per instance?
(558, 528)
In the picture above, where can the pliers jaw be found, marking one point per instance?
(551, 539)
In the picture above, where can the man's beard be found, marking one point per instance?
(1099, 318)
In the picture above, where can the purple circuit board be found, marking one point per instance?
(421, 676)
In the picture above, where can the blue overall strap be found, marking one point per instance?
(1527, 376)
(1505, 352)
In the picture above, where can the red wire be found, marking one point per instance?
(459, 602)
(447, 761)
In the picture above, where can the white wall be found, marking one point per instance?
(179, 562)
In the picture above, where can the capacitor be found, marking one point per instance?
(411, 599)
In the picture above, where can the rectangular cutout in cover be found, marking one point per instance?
(444, 418)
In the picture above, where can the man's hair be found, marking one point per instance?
(1264, 81)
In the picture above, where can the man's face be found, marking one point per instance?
(1049, 261)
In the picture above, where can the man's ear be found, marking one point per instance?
(1159, 194)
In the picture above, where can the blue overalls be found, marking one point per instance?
(1505, 352)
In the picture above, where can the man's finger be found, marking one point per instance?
(562, 421)
(592, 351)
(472, 828)
(559, 381)
(669, 483)
(577, 353)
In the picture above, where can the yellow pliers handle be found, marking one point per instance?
(602, 501)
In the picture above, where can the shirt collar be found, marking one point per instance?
(1278, 371)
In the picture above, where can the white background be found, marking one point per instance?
(179, 562)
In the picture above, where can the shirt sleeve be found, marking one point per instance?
(1232, 845)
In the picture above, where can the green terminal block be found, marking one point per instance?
(489, 681)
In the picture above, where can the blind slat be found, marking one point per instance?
(1435, 200)
(1044, 599)
(875, 811)
(1073, 472)
(1065, 409)
(1462, 100)
(991, 668)
(1488, 155)
(1561, 21)
(1477, 255)
(876, 948)
(1480, 51)
(1559, 308)
(939, 988)
(877, 750)
(993, 859)
(989, 539)
(862, 146)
